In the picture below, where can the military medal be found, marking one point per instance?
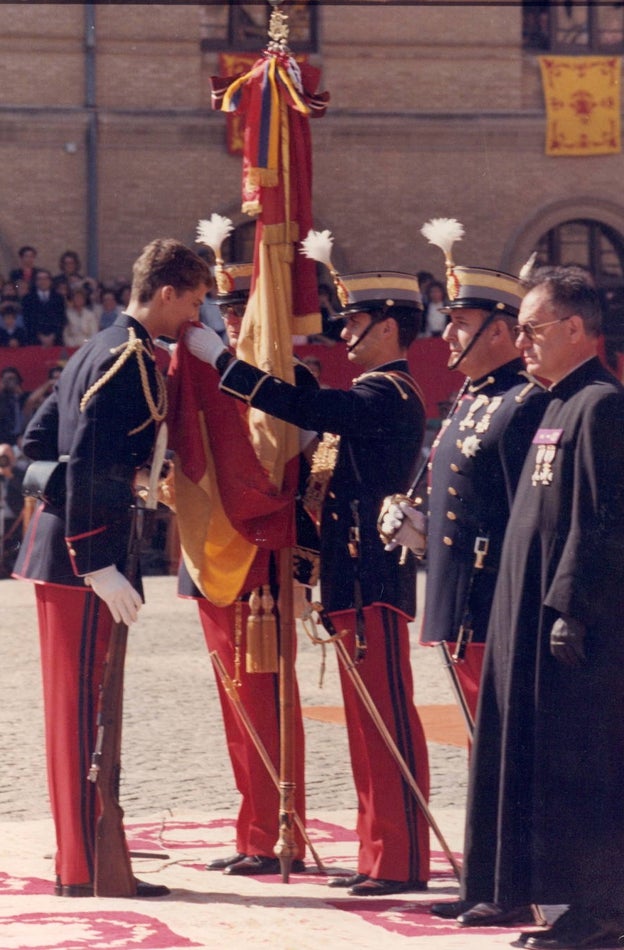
(546, 441)
(471, 444)
(468, 421)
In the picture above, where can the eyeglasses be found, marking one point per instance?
(530, 329)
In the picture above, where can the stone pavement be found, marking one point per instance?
(176, 774)
(174, 752)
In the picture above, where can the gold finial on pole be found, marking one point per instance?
(278, 29)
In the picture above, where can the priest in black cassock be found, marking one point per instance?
(545, 822)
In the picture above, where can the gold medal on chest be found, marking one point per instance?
(547, 442)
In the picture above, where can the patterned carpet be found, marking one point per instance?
(210, 909)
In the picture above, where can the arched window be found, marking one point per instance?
(600, 249)
(573, 26)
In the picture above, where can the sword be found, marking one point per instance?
(232, 693)
(384, 732)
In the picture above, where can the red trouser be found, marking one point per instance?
(257, 826)
(74, 631)
(393, 833)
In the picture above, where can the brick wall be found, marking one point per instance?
(435, 111)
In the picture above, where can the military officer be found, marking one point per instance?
(373, 434)
(225, 632)
(473, 472)
(101, 417)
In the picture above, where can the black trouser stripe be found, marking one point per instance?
(87, 720)
(403, 732)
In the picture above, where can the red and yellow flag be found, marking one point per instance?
(276, 97)
(582, 95)
(226, 504)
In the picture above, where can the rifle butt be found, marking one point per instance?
(113, 870)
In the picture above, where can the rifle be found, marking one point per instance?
(113, 870)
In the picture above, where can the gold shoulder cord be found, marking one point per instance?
(134, 347)
(398, 380)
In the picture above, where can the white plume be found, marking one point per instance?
(214, 231)
(443, 232)
(525, 270)
(318, 246)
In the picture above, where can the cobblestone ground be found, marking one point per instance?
(175, 758)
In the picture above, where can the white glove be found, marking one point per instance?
(166, 345)
(117, 592)
(408, 526)
(205, 344)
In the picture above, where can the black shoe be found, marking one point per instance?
(73, 890)
(450, 910)
(143, 889)
(492, 915)
(262, 864)
(574, 929)
(220, 864)
(380, 887)
(347, 881)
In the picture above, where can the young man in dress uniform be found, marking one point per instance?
(473, 472)
(102, 417)
(376, 431)
(545, 822)
(225, 632)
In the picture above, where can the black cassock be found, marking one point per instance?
(545, 818)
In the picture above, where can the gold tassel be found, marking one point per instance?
(261, 656)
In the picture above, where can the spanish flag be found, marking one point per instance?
(227, 506)
(276, 97)
(582, 96)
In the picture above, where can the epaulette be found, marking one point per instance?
(397, 377)
(134, 346)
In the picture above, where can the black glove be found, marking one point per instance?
(566, 641)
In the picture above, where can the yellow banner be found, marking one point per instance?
(582, 95)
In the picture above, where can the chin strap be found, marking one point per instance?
(494, 312)
(368, 329)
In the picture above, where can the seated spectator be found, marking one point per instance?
(12, 400)
(436, 317)
(80, 321)
(10, 333)
(123, 295)
(24, 275)
(70, 271)
(8, 295)
(44, 312)
(11, 504)
(425, 278)
(62, 287)
(107, 310)
(41, 393)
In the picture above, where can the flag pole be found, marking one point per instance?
(285, 848)
(278, 97)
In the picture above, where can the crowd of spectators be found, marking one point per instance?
(40, 308)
